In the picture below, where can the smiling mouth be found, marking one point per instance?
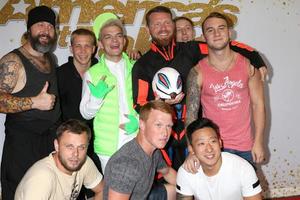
(83, 57)
(164, 34)
(210, 156)
(115, 47)
(218, 39)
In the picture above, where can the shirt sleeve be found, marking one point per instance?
(161, 161)
(89, 105)
(182, 183)
(249, 180)
(31, 188)
(197, 50)
(92, 176)
(123, 174)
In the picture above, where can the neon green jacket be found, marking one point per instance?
(106, 122)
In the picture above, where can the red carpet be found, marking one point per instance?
(287, 198)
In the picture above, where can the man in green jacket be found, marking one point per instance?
(107, 90)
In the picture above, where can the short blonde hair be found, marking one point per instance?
(155, 105)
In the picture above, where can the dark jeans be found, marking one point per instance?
(158, 192)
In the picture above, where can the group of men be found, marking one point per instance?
(133, 131)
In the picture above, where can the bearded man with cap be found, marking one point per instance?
(107, 90)
(28, 90)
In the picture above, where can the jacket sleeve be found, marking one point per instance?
(245, 50)
(250, 53)
(89, 105)
(141, 86)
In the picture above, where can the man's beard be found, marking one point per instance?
(163, 42)
(42, 47)
(70, 168)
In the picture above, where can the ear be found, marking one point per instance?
(191, 148)
(221, 143)
(56, 145)
(125, 41)
(71, 49)
(230, 33)
(100, 45)
(148, 30)
(142, 124)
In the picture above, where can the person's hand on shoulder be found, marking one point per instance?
(191, 163)
(134, 54)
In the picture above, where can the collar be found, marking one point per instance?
(166, 52)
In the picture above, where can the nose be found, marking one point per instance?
(216, 32)
(76, 152)
(45, 30)
(165, 131)
(82, 49)
(114, 38)
(163, 26)
(183, 32)
(208, 147)
(47, 27)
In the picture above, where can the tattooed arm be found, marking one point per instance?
(10, 66)
(191, 163)
(10, 73)
(193, 95)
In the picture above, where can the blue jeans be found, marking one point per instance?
(244, 154)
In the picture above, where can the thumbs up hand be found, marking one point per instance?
(44, 100)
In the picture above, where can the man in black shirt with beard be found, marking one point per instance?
(28, 91)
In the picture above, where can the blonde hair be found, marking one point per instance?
(155, 105)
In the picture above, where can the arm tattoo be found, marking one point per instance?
(9, 69)
(8, 74)
(193, 96)
(183, 197)
(11, 104)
